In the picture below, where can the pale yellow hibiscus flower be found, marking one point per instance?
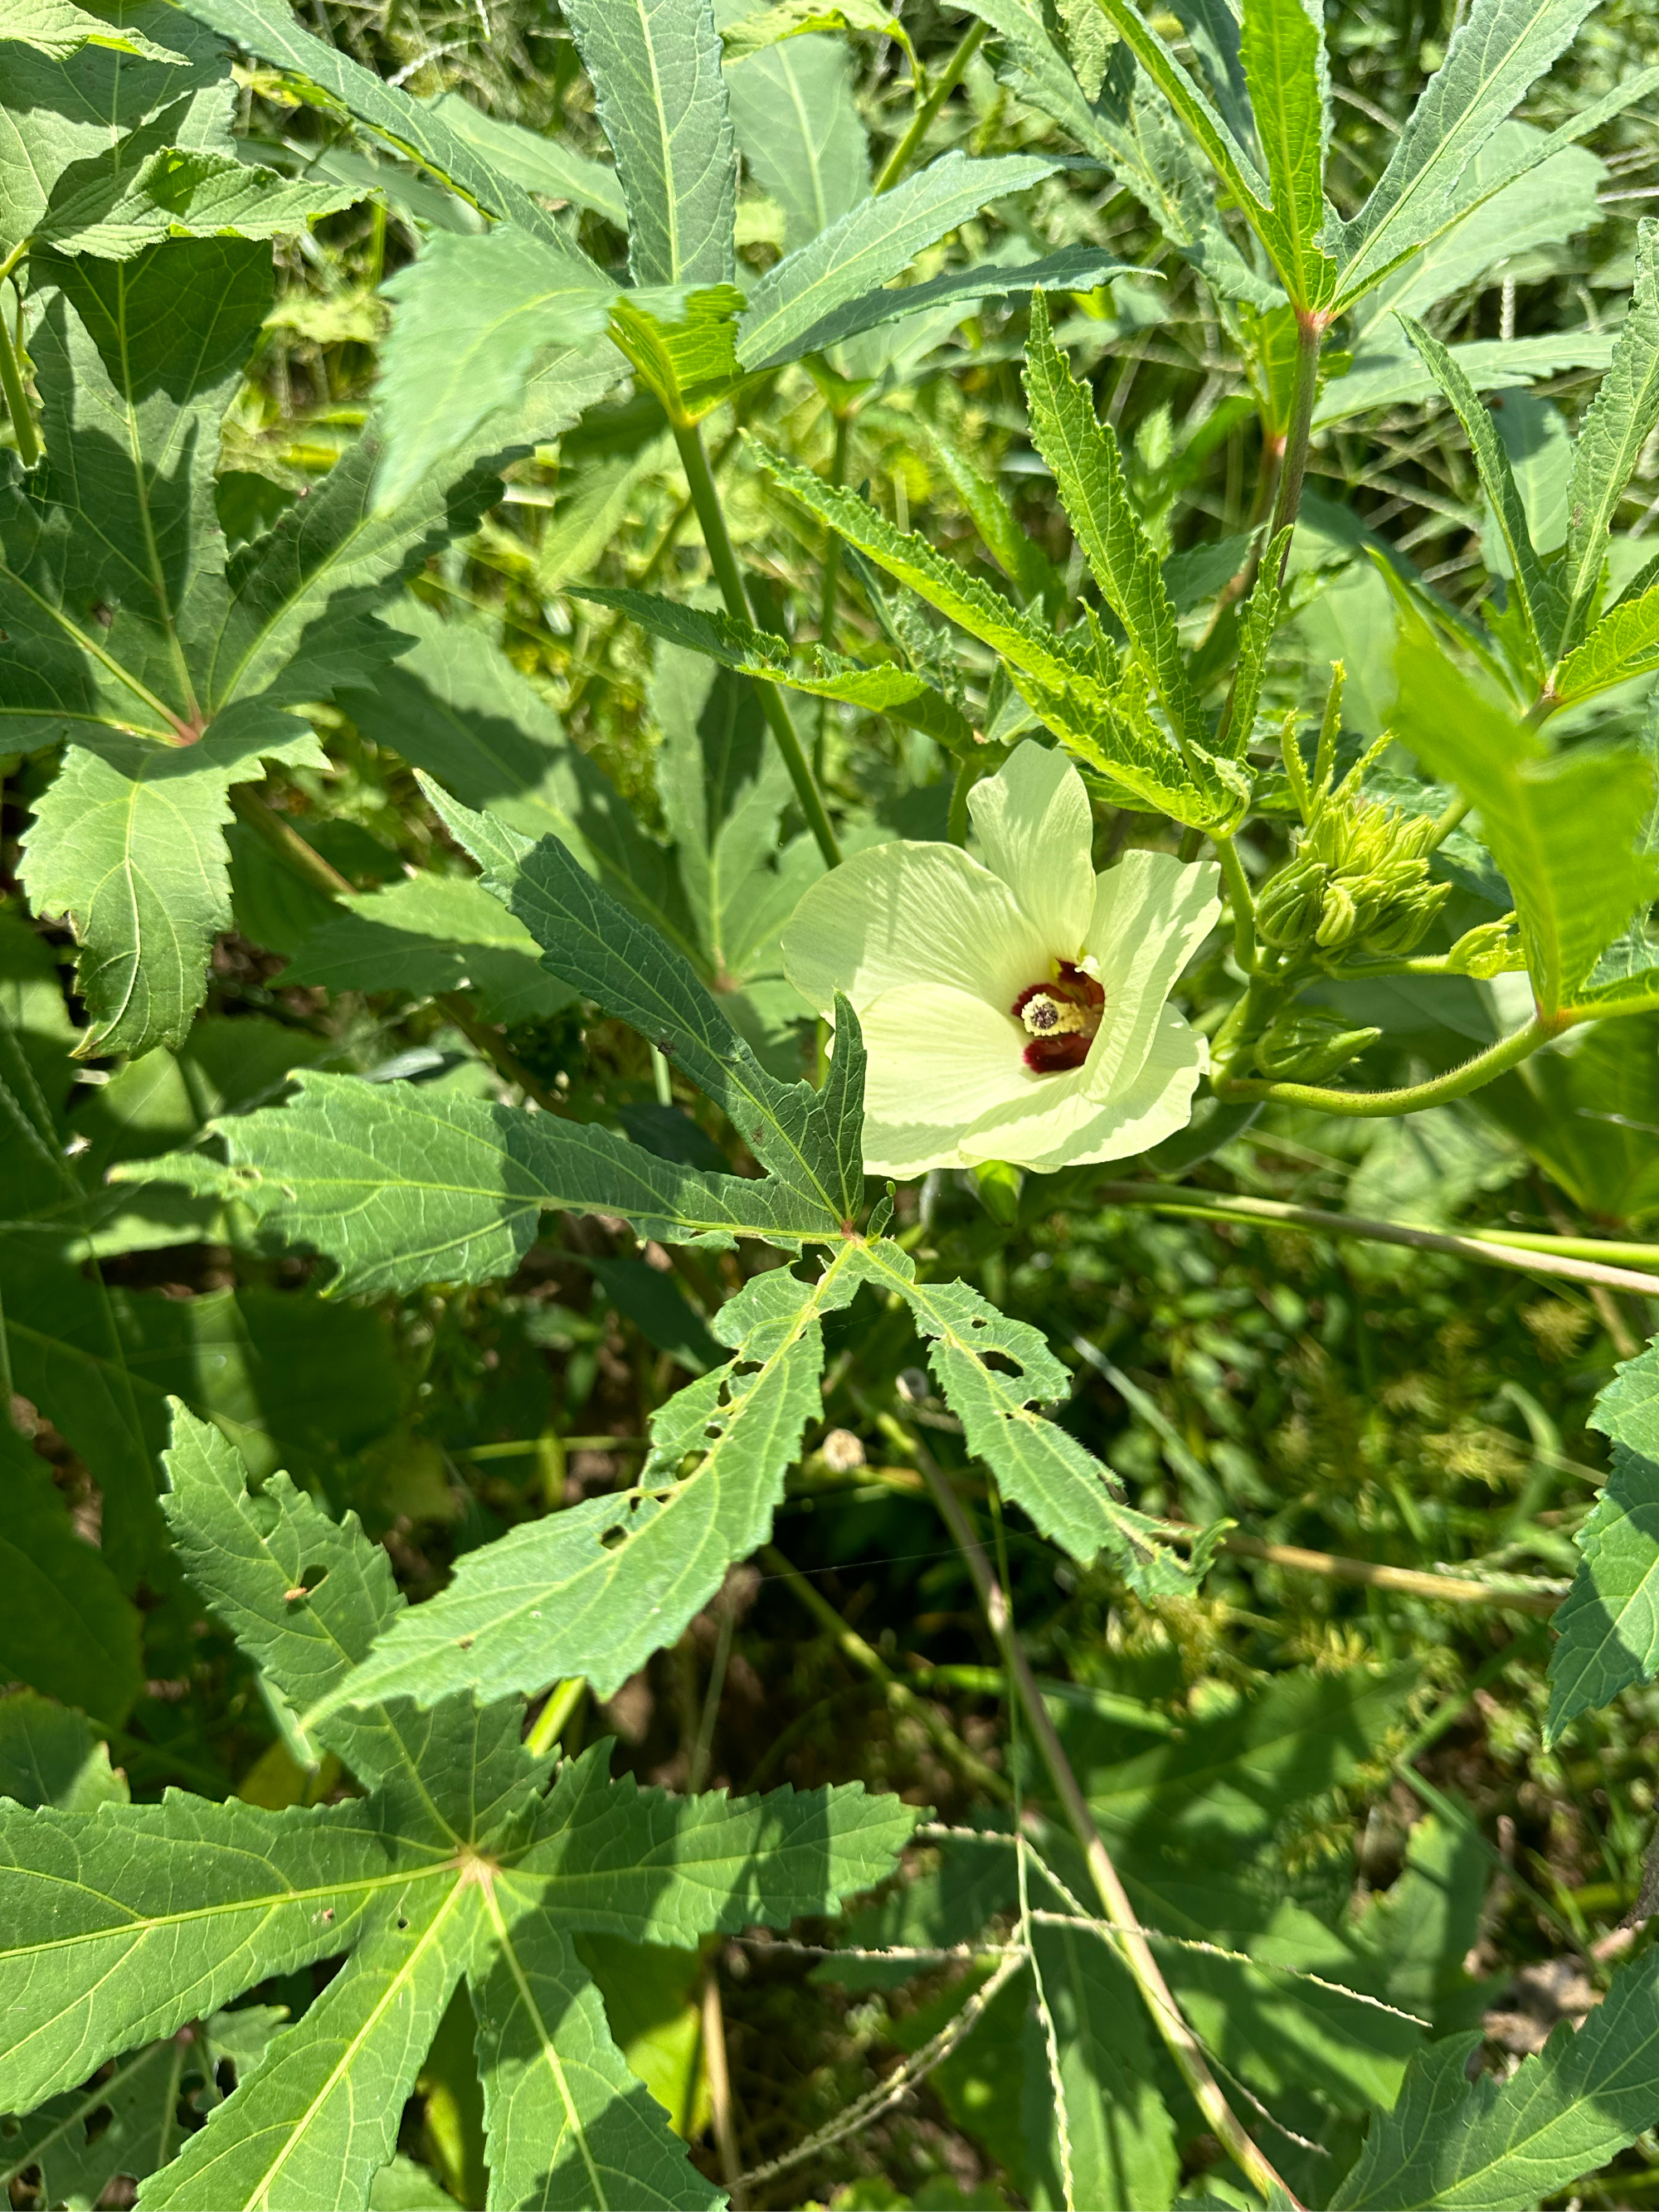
(1014, 1006)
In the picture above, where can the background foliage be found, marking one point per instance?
(275, 908)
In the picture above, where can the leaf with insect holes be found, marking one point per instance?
(57, 29)
(1069, 1495)
(118, 1926)
(594, 1588)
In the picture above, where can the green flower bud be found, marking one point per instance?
(1492, 948)
(1339, 917)
(1288, 908)
(1305, 1046)
(1398, 929)
(999, 1187)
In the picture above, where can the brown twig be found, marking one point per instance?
(719, 2084)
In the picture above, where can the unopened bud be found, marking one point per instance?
(1492, 948)
(1288, 908)
(1398, 929)
(1339, 917)
(1306, 1046)
(999, 1186)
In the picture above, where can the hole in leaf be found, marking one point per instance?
(612, 1537)
(1000, 1363)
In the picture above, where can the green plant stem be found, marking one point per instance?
(950, 76)
(1448, 821)
(677, 521)
(723, 558)
(899, 1695)
(1496, 1248)
(553, 1717)
(11, 381)
(1243, 906)
(1293, 468)
(305, 861)
(1413, 1097)
(1136, 1952)
(831, 582)
(719, 2073)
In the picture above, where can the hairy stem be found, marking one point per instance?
(1496, 1058)
(1287, 500)
(950, 76)
(723, 558)
(1243, 906)
(1182, 2044)
(1496, 1248)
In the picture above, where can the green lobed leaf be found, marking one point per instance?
(1618, 424)
(420, 132)
(541, 164)
(655, 66)
(796, 307)
(808, 1140)
(615, 1859)
(51, 1756)
(1624, 644)
(401, 1187)
(1258, 620)
(1066, 1492)
(1497, 50)
(1283, 52)
(431, 933)
(885, 688)
(57, 28)
(1608, 1623)
(439, 382)
(797, 127)
(133, 198)
(593, 1589)
(129, 843)
(1563, 827)
(1083, 453)
(1503, 2146)
(906, 555)
(321, 2116)
(122, 1924)
(570, 2127)
(1192, 104)
(1539, 595)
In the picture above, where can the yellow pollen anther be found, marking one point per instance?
(1045, 1017)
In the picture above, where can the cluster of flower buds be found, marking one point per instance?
(1359, 882)
(1304, 1045)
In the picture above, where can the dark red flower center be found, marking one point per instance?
(1060, 1017)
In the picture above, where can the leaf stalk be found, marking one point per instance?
(1412, 1097)
(950, 76)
